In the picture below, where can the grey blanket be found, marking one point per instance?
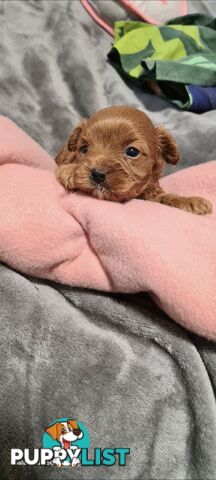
(132, 377)
(116, 363)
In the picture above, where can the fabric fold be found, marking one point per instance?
(137, 246)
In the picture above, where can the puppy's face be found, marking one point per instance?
(115, 155)
(65, 432)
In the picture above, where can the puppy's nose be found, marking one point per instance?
(98, 175)
(76, 431)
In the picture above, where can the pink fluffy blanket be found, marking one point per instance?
(80, 241)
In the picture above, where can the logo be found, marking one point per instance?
(66, 437)
(65, 443)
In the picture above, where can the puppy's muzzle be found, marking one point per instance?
(98, 176)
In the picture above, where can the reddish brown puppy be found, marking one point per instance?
(117, 155)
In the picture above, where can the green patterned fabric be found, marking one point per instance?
(174, 55)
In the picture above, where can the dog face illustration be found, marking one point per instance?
(65, 432)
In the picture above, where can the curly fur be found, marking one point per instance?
(107, 134)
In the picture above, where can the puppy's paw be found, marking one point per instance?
(199, 205)
(75, 462)
(196, 205)
(64, 175)
(57, 463)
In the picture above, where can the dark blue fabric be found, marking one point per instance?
(203, 98)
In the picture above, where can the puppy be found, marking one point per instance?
(65, 433)
(117, 155)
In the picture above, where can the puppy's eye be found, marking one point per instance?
(63, 430)
(70, 429)
(132, 152)
(84, 149)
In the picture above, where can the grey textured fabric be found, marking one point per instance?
(133, 377)
(117, 363)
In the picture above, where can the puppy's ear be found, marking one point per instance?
(167, 146)
(52, 431)
(66, 153)
(63, 156)
(73, 424)
(74, 136)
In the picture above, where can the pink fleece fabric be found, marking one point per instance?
(80, 241)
